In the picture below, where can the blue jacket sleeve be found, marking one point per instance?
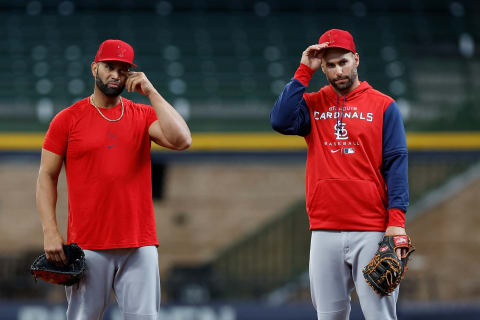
(395, 158)
(290, 113)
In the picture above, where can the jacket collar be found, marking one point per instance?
(358, 91)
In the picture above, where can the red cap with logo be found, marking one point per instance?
(337, 38)
(115, 50)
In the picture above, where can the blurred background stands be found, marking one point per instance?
(222, 64)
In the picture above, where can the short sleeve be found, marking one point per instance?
(56, 139)
(151, 116)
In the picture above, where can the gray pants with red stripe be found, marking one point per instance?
(336, 262)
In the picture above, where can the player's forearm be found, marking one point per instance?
(290, 115)
(396, 178)
(171, 123)
(395, 158)
(46, 197)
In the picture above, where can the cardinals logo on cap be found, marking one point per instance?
(331, 40)
(121, 51)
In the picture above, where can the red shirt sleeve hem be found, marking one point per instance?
(396, 217)
(54, 149)
(303, 74)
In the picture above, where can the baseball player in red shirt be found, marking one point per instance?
(104, 141)
(356, 173)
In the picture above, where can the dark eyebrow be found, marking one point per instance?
(112, 65)
(343, 60)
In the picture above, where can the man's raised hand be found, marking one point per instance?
(138, 81)
(312, 56)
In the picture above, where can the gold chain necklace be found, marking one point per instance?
(98, 109)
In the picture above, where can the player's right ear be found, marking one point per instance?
(322, 65)
(94, 67)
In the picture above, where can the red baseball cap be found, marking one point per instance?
(115, 50)
(337, 38)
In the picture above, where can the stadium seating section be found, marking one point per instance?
(223, 63)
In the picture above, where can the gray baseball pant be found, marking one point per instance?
(131, 274)
(336, 262)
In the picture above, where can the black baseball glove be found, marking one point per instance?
(68, 274)
(385, 271)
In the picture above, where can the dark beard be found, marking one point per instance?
(346, 85)
(109, 92)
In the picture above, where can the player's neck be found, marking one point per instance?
(103, 101)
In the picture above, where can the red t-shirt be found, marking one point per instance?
(108, 173)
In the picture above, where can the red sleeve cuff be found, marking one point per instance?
(303, 74)
(396, 217)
